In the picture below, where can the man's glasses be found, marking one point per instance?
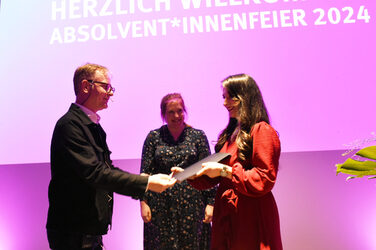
(105, 85)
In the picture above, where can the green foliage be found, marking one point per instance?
(358, 168)
(368, 152)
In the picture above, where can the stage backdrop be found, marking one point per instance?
(313, 61)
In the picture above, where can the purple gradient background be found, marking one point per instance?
(318, 83)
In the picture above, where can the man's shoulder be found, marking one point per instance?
(67, 116)
(73, 115)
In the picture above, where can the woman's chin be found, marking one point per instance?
(177, 124)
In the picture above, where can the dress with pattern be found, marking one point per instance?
(177, 213)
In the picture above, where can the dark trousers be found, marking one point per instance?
(73, 241)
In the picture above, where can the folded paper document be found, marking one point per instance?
(194, 168)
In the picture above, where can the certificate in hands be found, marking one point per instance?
(194, 168)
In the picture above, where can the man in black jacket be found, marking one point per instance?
(83, 178)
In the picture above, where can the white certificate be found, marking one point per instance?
(194, 168)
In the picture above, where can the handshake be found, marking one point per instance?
(209, 166)
(160, 182)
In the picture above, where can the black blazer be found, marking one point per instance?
(83, 178)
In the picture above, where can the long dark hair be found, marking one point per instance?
(252, 110)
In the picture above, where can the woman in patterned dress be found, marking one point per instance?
(180, 217)
(245, 212)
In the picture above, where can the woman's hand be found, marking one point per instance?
(214, 169)
(208, 214)
(145, 212)
(211, 169)
(175, 170)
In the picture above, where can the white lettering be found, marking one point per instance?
(298, 17)
(158, 3)
(56, 36)
(253, 19)
(97, 36)
(89, 7)
(110, 36)
(124, 30)
(275, 19)
(141, 7)
(196, 24)
(55, 10)
(225, 22)
(155, 27)
(69, 35)
(264, 18)
(185, 25)
(164, 24)
(240, 21)
(83, 30)
(235, 2)
(150, 28)
(104, 11)
(218, 3)
(118, 9)
(132, 6)
(136, 26)
(73, 8)
(285, 17)
(187, 4)
(212, 23)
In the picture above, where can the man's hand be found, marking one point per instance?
(160, 182)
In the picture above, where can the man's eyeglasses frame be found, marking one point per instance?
(107, 86)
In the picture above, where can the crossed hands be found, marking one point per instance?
(146, 212)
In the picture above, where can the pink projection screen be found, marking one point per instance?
(313, 60)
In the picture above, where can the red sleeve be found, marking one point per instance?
(259, 180)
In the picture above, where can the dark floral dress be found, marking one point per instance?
(178, 212)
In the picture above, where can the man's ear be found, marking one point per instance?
(85, 85)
